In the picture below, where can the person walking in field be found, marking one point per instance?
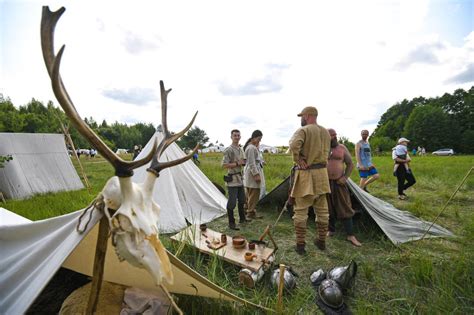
(401, 151)
(405, 178)
(367, 171)
(339, 201)
(233, 161)
(253, 173)
(309, 146)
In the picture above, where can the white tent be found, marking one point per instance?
(183, 192)
(267, 149)
(213, 148)
(40, 164)
(31, 253)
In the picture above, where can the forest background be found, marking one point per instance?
(433, 123)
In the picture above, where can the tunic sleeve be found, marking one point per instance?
(296, 144)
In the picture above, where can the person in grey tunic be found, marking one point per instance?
(233, 161)
(253, 173)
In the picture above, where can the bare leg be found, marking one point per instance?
(371, 180)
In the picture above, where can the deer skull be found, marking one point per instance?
(134, 224)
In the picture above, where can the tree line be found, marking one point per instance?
(432, 123)
(35, 117)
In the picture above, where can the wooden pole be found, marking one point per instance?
(281, 285)
(99, 262)
(69, 139)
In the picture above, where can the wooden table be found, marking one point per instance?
(193, 236)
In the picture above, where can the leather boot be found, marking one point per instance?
(300, 249)
(320, 244)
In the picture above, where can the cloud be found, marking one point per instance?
(269, 83)
(243, 120)
(467, 75)
(135, 44)
(285, 131)
(136, 96)
(425, 54)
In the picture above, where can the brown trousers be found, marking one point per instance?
(300, 217)
(253, 194)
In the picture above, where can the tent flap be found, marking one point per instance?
(32, 252)
(399, 226)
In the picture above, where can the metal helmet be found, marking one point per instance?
(317, 277)
(330, 293)
(289, 279)
(344, 276)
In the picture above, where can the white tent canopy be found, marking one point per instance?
(183, 191)
(32, 252)
(267, 148)
(40, 164)
(213, 148)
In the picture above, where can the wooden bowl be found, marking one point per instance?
(238, 241)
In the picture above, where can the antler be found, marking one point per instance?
(48, 23)
(157, 166)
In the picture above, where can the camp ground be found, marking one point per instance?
(153, 231)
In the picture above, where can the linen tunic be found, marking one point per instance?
(312, 143)
(233, 154)
(253, 167)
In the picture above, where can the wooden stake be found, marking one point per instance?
(173, 303)
(281, 285)
(99, 262)
(69, 140)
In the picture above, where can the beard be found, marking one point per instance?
(334, 143)
(303, 122)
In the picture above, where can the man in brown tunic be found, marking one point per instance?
(339, 200)
(310, 148)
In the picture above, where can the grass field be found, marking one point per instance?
(433, 276)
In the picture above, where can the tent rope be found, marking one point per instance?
(449, 200)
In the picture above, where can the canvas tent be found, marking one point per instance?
(31, 253)
(183, 192)
(40, 164)
(399, 226)
(213, 148)
(267, 149)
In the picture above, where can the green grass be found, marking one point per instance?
(433, 276)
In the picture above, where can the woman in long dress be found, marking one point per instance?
(253, 173)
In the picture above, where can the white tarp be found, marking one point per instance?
(183, 191)
(399, 226)
(32, 252)
(40, 164)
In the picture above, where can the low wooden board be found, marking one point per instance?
(193, 236)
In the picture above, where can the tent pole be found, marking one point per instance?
(99, 262)
(281, 285)
(449, 200)
(71, 143)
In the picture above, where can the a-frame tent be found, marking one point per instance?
(183, 192)
(40, 164)
(31, 253)
(399, 226)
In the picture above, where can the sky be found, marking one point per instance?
(242, 64)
